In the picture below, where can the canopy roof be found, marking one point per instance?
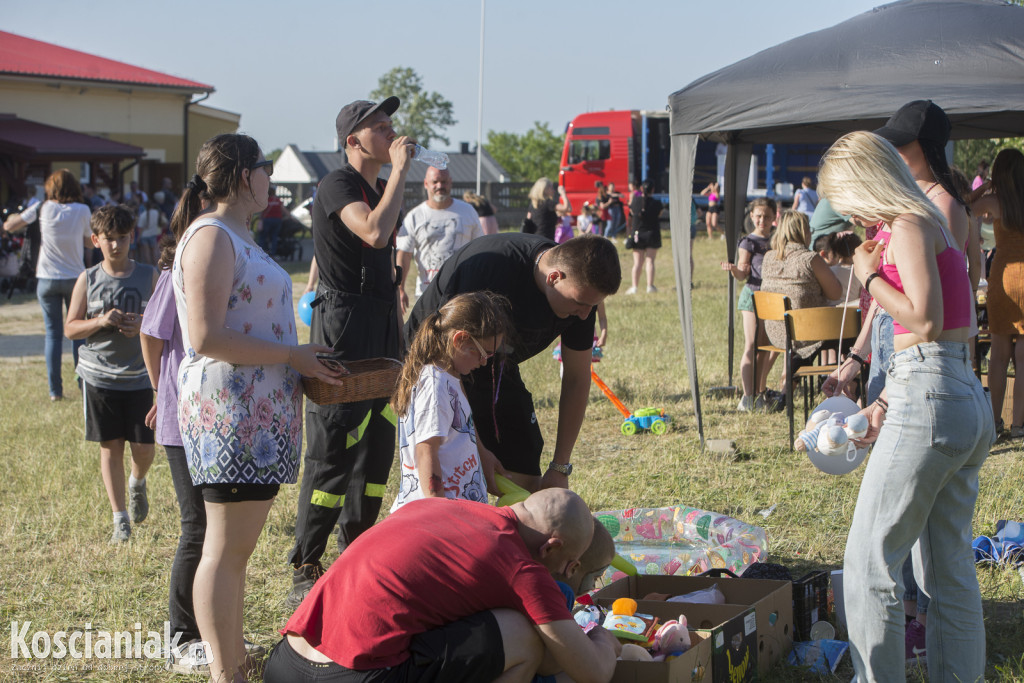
(32, 141)
(965, 55)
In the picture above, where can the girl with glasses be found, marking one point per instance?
(440, 453)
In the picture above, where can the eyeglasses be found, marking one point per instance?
(484, 356)
(268, 164)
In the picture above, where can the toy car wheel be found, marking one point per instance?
(659, 427)
(628, 428)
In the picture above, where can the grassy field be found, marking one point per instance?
(57, 570)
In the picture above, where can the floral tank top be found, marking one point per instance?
(241, 423)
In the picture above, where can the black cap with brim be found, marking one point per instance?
(354, 113)
(917, 120)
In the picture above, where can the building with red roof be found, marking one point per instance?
(108, 121)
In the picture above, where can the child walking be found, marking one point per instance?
(752, 249)
(106, 310)
(437, 441)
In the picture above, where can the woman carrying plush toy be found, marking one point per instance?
(932, 423)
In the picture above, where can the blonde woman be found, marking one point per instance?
(545, 211)
(932, 426)
(792, 269)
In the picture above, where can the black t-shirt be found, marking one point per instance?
(643, 214)
(545, 217)
(346, 263)
(504, 264)
(484, 208)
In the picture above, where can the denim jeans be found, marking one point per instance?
(881, 352)
(55, 297)
(182, 615)
(918, 493)
(616, 222)
(269, 235)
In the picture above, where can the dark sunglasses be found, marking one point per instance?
(266, 163)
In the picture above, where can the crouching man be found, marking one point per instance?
(451, 590)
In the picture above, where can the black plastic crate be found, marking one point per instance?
(810, 602)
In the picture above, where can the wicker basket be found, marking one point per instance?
(368, 379)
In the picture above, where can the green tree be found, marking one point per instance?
(423, 115)
(967, 153)
(529, 156)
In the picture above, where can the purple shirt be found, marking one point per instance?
(161, 322)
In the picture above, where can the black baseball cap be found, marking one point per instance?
(917, 120)
(354, 113)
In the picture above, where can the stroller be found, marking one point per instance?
(18, 255)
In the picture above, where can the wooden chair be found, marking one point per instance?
(813, 325)
(769, 306)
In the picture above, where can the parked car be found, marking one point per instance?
(302, 214)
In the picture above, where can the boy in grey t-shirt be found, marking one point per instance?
(106, 310)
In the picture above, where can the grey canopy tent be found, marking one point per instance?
(965, 55)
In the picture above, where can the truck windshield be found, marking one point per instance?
(589, 150)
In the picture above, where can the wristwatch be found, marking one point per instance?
(565, 469)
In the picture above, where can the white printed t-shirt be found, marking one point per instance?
(432, 235)
(439, 408)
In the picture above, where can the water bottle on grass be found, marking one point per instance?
(438, 160)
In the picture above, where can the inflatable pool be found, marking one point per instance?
(682, 540)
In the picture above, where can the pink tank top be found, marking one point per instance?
(956, 298)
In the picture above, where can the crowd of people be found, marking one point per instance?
(456, 584)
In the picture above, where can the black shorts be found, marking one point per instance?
(518, 442)
(465, 651)
(238, 493)
(111, 414)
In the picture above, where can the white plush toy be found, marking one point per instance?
(830, 434)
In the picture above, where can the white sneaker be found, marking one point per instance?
(631, 290)
(186, 659)
(651, 289)
(746, 404)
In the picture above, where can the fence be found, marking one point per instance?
(508, 199)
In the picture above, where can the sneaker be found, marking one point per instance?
(768, 402)
(915, 643)
(254, 650)
(122, 532)
(1016, 433)
(138, 503)
(746, 404)
(631, 290)
(302, 582)
(651, 289)
(182, 659)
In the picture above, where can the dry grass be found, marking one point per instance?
(57, 570)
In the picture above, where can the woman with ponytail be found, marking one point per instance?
(240, 398)
(440, 453)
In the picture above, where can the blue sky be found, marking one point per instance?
(287, 67)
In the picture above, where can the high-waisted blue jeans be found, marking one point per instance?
(55, 297)
(918, 493)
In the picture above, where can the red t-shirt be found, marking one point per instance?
(275, 208)
(432, 562)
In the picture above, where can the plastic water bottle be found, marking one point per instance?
(438, 160)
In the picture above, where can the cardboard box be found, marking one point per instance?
(772, 602)
(694, 666)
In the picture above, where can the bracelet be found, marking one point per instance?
(883, 404)
(867, 283)
(291, 349)
(852, 356)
